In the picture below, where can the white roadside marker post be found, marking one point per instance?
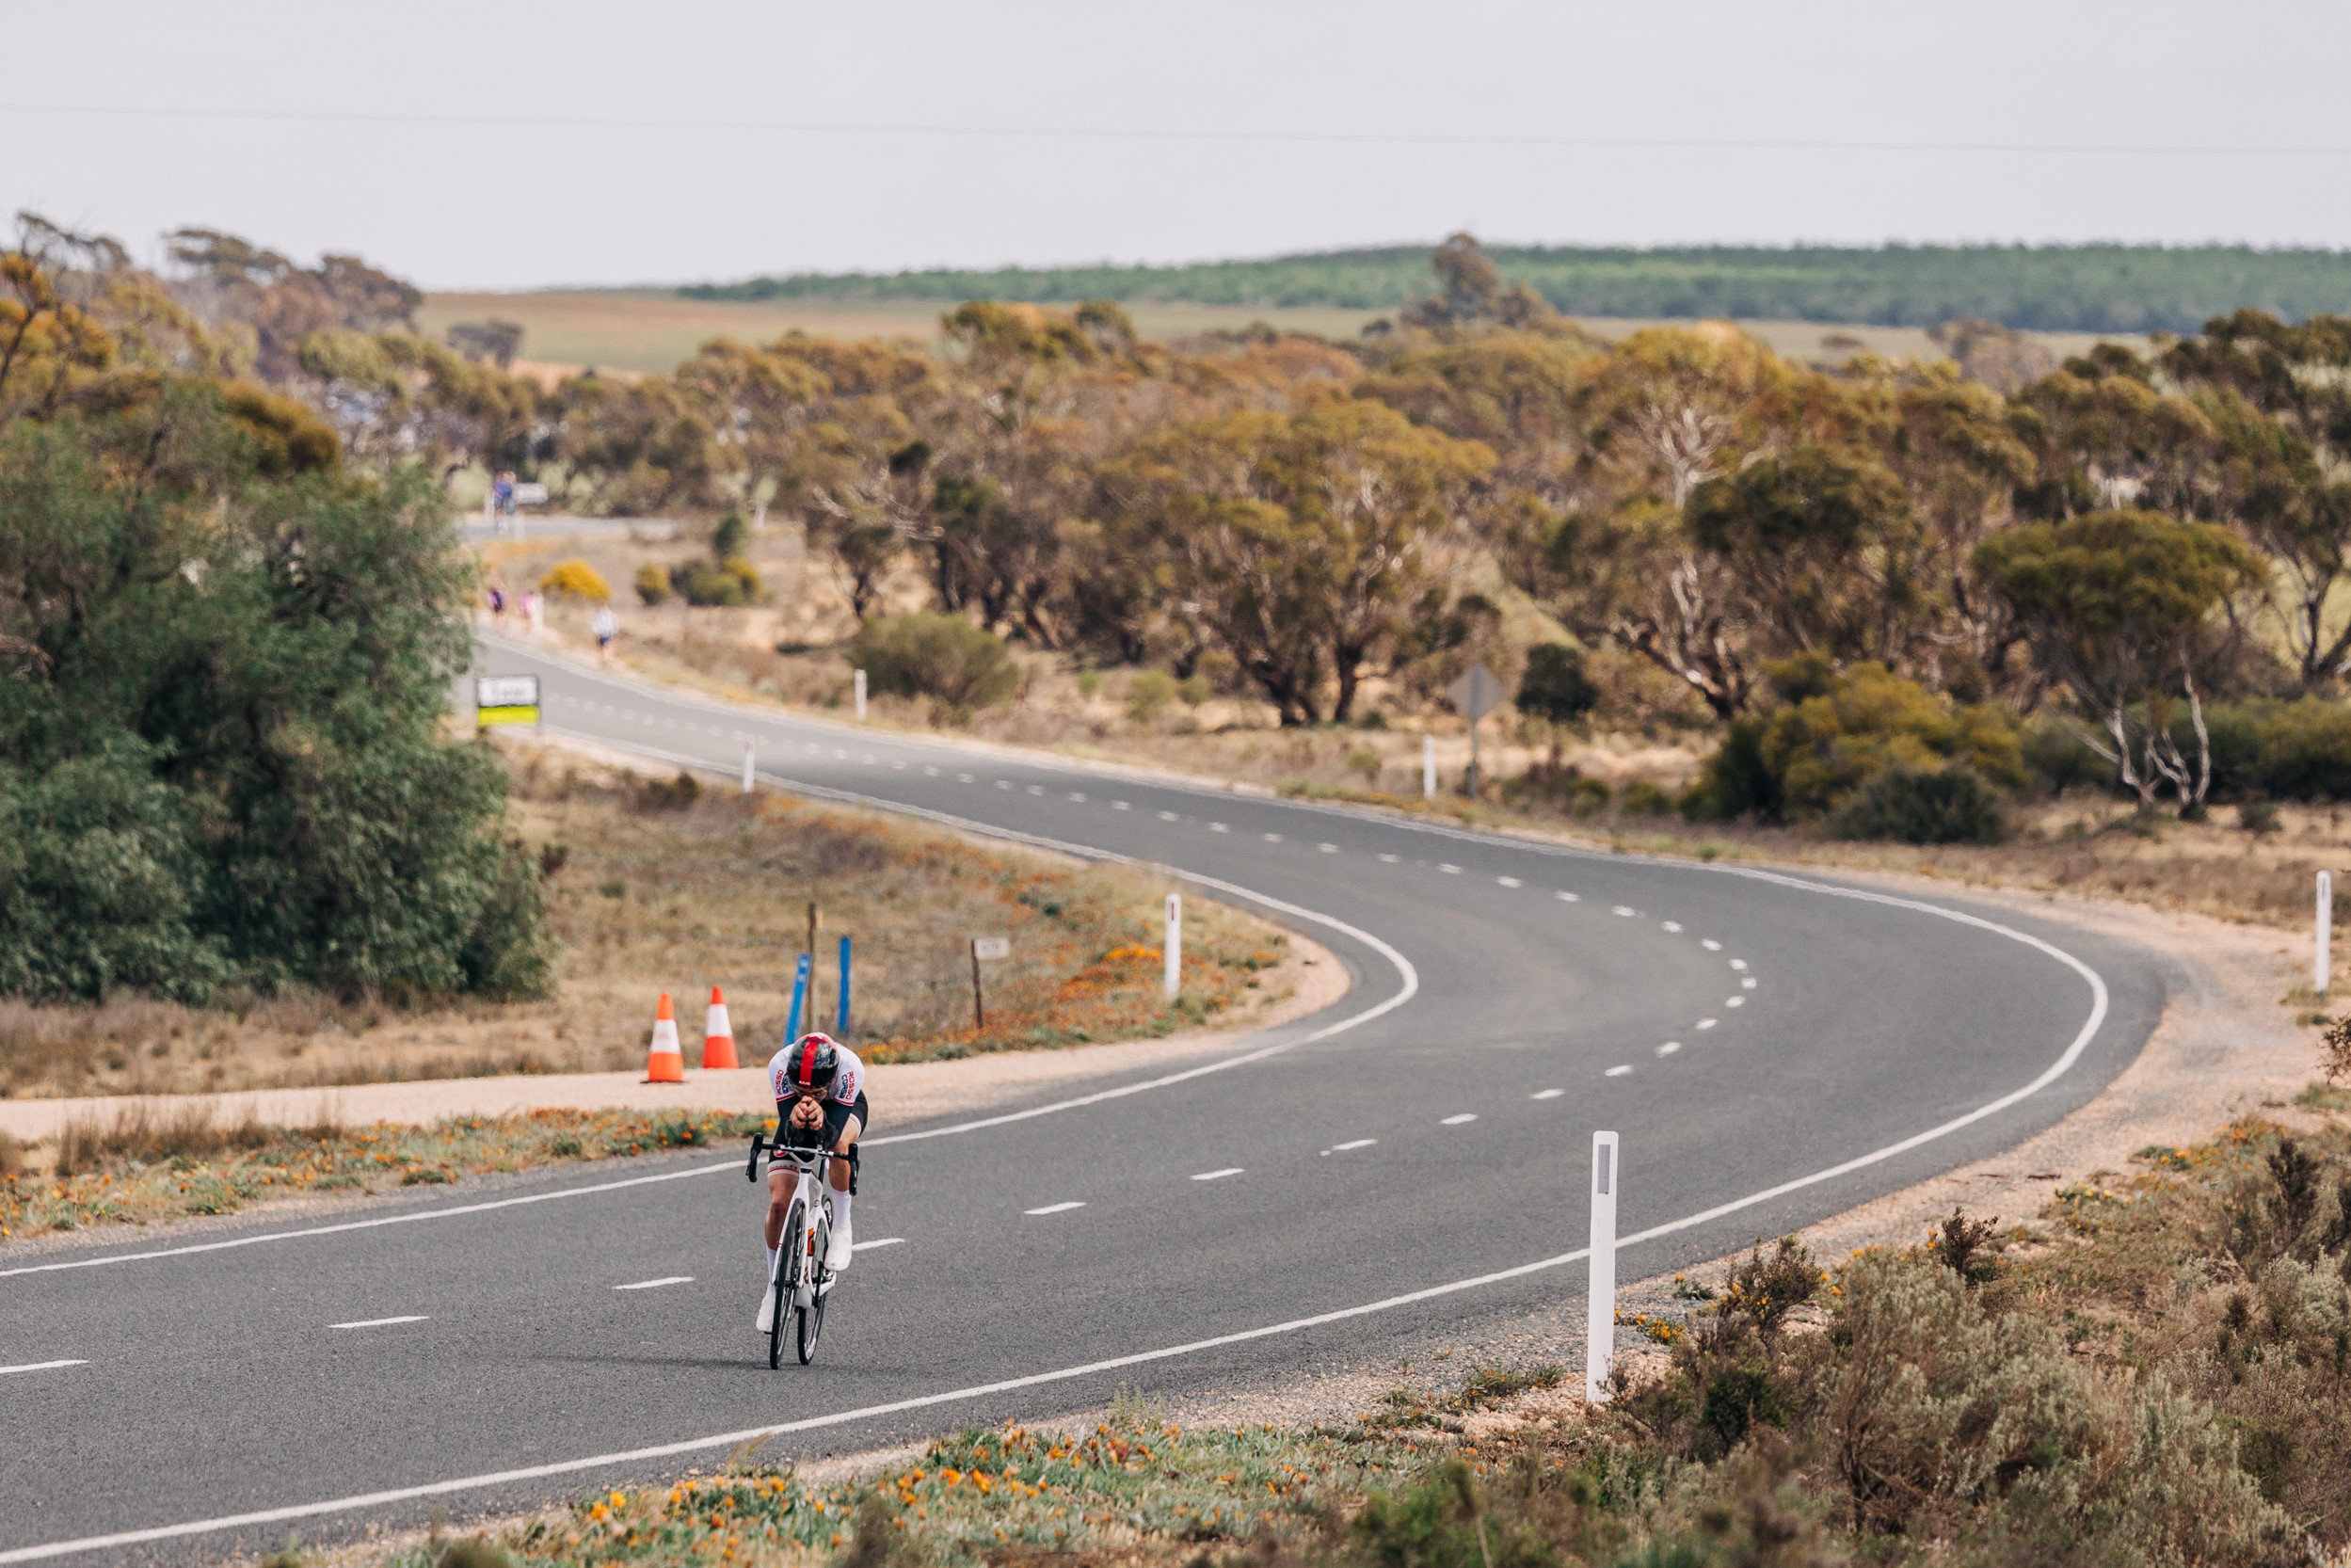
(750, 751)
(1174, 944)
(1429, 767)
(2321, 967)
(860, 691)
(1600, 1325)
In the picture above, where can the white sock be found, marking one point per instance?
(770, 1277)
(841, 1210)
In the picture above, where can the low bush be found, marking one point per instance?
(956, 664)
(1149, 692)
(652, 585)
(1642, 798)
(1950, 806)
(718, 584)
(575, 579)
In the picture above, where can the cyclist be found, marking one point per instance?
(819, 1102)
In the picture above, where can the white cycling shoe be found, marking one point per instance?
(767, 1310)
(838, 1248)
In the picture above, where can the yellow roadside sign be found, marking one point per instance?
(506, 700)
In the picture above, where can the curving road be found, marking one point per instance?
(1773, 1047)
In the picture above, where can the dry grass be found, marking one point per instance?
(652, 897)
(140, 1167)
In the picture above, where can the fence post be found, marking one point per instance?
(750, 751)
(860, 691)
(979, 1007)
(841, 1032)
(2322, 967)
(1600, 1323)
(799, 998)
(1173, 947)
(1429, 767)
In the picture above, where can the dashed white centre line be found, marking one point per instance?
(1626, 910)
(1167, 816)
(1328, 849)
(1508, 881)
(1668, 1048)
(1565, 896)
(1456, 1121)
(1119, 805)
(1618, 1070)
(1749, 983)
(1218, 828)
(866, 760)
(1272, 837)
(380, 1322)
(1054, 1209)
(1390, 859)
(40, 1367)
(879, 1241)
(1674, 926)
(1705, 1023)
(1078, 797)
(1733, 1002)
(1547, 1093)
(1710, 944)
(1738, 963)
(1036, 789)
(1218, 1175)
(963, 778)
(1449, 870)
(1352, 1144)
(929, 771)
(656, 1284)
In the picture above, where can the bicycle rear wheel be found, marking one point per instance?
(787, 1275)
(812, 1315)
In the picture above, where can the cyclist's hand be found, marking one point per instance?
(807, 1114)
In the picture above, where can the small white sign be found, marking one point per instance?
(529, 495)
(506, 690)
(991, 947)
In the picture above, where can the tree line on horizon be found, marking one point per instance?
(1906, 551)
(2071, 288)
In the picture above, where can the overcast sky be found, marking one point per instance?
(483, 143)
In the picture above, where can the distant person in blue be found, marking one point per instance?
(501, 502)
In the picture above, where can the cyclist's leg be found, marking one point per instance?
(780, 1181)
(843, 1125)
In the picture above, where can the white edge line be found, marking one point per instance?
(2049, 1075)
(41, 1366)
(656, 1284)
(382, 1322)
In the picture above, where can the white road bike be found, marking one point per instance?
(800, 1281)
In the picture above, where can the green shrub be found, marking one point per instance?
(2057, 758)
(1951, 805)
(731, 537)
(2304, 750)
(1736, 782)
(1587, 796)
(718, 584)
(1148, 693)
(1555, 686)
(945, 658)
(1641, 798)
(653, 585)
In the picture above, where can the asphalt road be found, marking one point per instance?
(1772, 1048)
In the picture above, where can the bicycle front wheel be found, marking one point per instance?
(787, 1275)
(812, 1315)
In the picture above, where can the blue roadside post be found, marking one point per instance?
(799, 1000)
(841, 1030)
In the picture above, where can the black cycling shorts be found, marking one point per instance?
(836, 1117)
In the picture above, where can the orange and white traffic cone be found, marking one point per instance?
(665, 1062)
(718, 1034)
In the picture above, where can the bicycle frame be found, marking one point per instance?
(810, 1167)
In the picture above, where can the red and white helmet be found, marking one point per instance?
(814, 1062)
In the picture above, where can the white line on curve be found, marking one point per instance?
(1710, 944)
(1057, 1208)
(1749, 983)
(1353, 1143)
(1704, 1023)
(1456, 1121)
(656, 1284)
(40, 1367)
(1547, 1093)
(1118, 806)
(381, 1323)
(1218, 828)
(1390, 859)
(879, 1241)
(1733, 1002)
(1218, 1175)
(1674, 926)
(1738, 963)
(1626, 910)
(1449, 870)
(1565, 896)
(1618, 1071)
(1328, 849)
(1508, 881)
(1668, 1048)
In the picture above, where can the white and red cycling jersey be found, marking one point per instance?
(848, 1078)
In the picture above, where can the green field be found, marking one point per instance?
(2084, 288)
